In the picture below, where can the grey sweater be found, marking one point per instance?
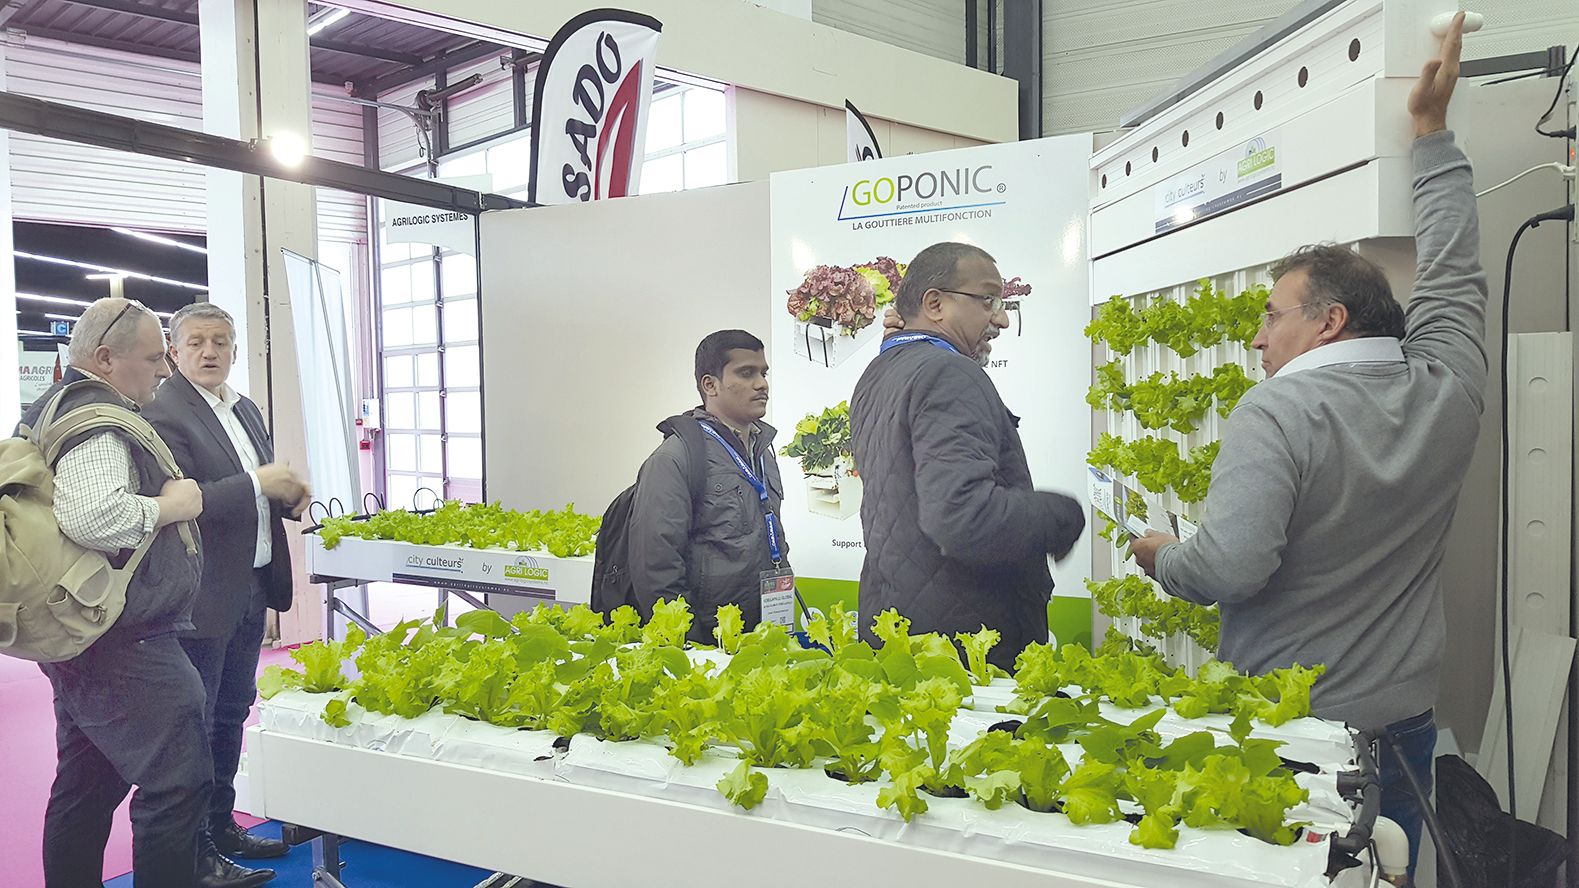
(1327, 518)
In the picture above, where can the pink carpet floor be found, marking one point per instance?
(27, 766)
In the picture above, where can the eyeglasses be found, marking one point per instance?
(130, 304)
(1272, 313)
(994, 303)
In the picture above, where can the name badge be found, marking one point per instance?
(778, 597)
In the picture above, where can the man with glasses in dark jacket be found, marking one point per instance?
(956, 538)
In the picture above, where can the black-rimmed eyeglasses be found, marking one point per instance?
(994, 303)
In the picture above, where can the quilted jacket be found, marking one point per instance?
(956, 538)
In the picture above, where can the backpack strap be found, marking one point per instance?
(690, 433)
(47, 417)
(53, 433)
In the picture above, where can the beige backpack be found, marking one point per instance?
(56, 597)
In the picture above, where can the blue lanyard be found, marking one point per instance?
(907, 338)
(757, 485)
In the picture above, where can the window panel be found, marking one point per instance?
(397, 327)
(465, 412)
(428, 411)
(510, 164)
(704, 114)
(462, 366)
(403, 452)
(474, 164)
(428, 369)
(459, 272)
(396, 285)
(465, 457)
(708, 165)
(402, 409)
(663, 124)
(400, 488)
(424, 325)
(460, 321)
(431, 450)
(663, 174)
(398, 372)
(422, 282)
(389, 252)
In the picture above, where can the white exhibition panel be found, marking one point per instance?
(1026, 204)
(323, 366)
(591, 314)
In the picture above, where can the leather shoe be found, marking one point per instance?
(233, 841)
(215, 870)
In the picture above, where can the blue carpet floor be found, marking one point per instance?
(366, 866)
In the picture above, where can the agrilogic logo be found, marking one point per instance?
(526, 568)
(1258, 156)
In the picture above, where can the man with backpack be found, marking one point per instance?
(129, 708)
(703, 517)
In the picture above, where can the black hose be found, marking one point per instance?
(1562, 213)
(1445, 853)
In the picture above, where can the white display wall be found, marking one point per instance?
(1010, 200)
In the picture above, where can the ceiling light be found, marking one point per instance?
(325, 19)
(106, 276)
(60, 300)
(287, 148)
(33, 333)
(88, 266)
(158, 239)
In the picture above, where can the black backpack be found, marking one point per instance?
(611, 573)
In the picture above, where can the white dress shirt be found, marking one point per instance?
(224, 404)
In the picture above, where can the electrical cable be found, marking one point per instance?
(1563, 213)
(1445, 852)
(1561, 168)
(1561, 79)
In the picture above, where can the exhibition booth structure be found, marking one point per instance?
(1138, 271)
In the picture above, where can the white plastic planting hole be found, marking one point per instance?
(1259, 100)
(1304, 77)
(1354, 50)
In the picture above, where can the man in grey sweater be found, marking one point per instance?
(1337, 480)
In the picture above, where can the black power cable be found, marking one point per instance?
(1445, 853)
(1563, 213)
(1561, 79)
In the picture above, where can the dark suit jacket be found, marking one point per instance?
(229, 522)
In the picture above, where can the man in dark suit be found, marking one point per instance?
(219, 439)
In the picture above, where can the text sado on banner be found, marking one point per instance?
(589, 117)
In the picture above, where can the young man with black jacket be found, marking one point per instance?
(717, 545)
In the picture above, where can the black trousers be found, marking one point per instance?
(228, 665)
(127, 713)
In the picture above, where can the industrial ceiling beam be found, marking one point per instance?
(462, 55)
(130, 7)
(57, 121)
(178, 55)
(160, 52)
